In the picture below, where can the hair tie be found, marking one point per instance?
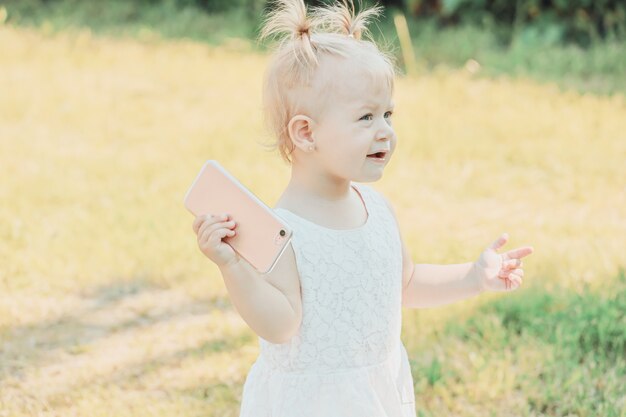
(304, 30)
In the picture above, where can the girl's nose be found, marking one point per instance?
(384, 132)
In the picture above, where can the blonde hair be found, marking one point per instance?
(333, 30)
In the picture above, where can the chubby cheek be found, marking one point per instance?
(345, 162)
(347, 159)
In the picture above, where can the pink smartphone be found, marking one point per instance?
(261, 236)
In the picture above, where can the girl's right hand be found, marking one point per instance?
(210, 230)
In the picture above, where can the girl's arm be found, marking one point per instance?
(428, 285)
(434, 285)
(269, 303)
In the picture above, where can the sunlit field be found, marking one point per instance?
(108, 308)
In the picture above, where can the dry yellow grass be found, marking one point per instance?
(108, 308)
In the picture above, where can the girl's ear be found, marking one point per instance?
(300, 130)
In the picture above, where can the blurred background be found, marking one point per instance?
(510, 117)
(577, 44)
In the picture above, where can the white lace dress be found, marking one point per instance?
(347, 359)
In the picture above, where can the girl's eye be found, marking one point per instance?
(369, 116)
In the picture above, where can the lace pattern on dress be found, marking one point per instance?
(351, 282)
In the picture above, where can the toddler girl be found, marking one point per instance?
(328, 315)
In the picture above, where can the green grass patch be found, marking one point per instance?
(599, 68)
(581, 336)
(587, 325)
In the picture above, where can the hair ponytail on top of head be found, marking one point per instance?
(289, 22)
(306, 40)
(341, 18)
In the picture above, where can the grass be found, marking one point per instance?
(107, 306)
(599, 69)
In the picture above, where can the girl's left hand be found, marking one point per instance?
(501, 272)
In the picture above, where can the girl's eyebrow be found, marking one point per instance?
(371, 105)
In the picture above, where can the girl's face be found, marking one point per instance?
(354, 123)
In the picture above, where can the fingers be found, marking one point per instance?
(506, 273)
(514, 253)
(513, 279)
(208, 228)
(207, 218)
(500, 241)
(505, 281)
(213, 236)
(519, 252)
(508, 284)
(512, 264)
(516, 280)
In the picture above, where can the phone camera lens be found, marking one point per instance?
(282, 232)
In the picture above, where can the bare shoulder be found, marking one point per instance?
(286, 278)
(385, 199)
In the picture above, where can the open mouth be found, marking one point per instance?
(377, 155)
